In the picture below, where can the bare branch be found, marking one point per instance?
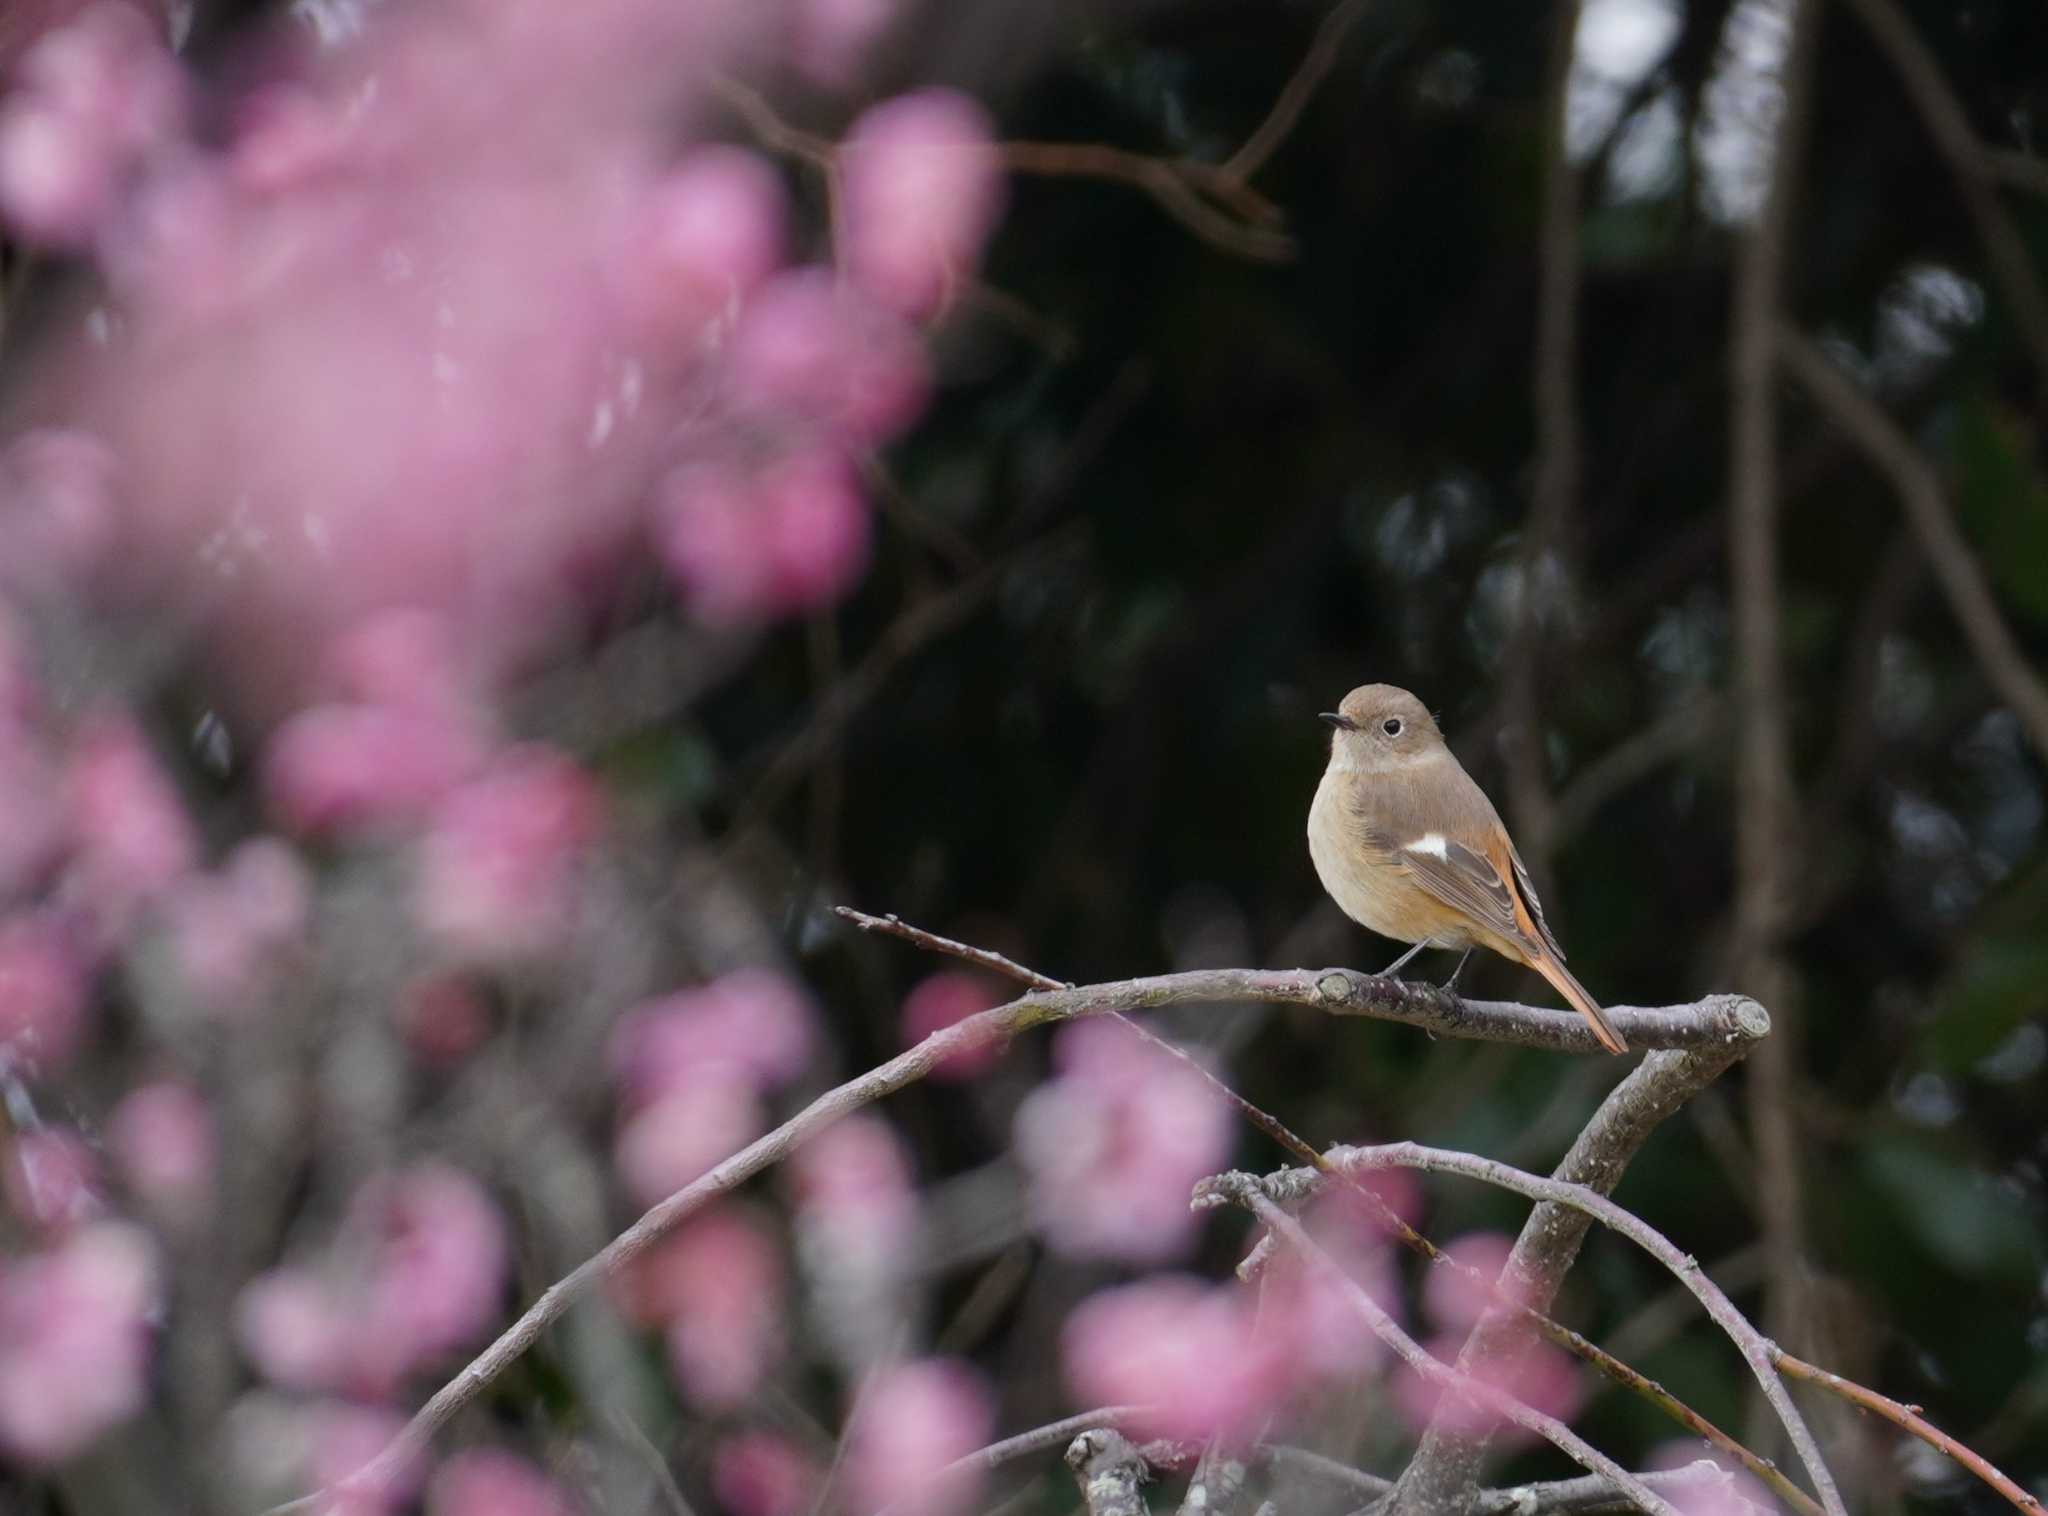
(1293, 99)
(893, 925)
(1909, 1417)
(1756, 1352)
(1110, 1473)
(1447, 1463)
(1919, 489)
(1244, 1190)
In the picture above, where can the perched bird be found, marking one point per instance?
(1410, 847)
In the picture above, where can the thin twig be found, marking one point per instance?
(1909, 1417)
(1247, 1193)
(1919, 488)
(893, 925)
(1166, 180)
(1294, 97)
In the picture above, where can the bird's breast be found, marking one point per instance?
(1374, 891)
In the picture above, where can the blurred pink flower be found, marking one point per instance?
(346, 1437)
(712, 229)
(284, 136)
(440, 1264)
(295, 1330)
(911, 1421)
(937, 1002)
(743, 548)
(1530, 1370)
(402, 658)
(165, 1145)
(811, 349)
(130, 837)
(52, 1179)
(830, 39)
(58, 512)
(924, 186)
(755, 1022)
(1114, 1143)
(855, 1177)
(90, 100)
(44, 985)
(761, 1474)
(681, 1136)
(74, 1341)
(1725, 1490)
(434, 1268)
(1304, 1307)
(335, 768)
(491, 1482)
(231, 933)
(717, 1286)
(1455, 1300)
(499, 863)
(1194, 1353)
(31, 826)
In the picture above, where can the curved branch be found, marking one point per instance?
(1756, 1352)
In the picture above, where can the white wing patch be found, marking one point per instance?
(1429, 842)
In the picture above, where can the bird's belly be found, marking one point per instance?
(1377, 895)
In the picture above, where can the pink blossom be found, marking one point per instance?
(440, 1263)
(165, 1144)
(1529, 1370)
(677, 1139)
(52, 1179)
(1312, 1312)
(761, 1474)
(286, 136)
(346, 1438)
(336, 768)
(913, 1420)
(74, 1341)
(231, 932)
(130, 837)
(830, 40)
(744, 548)
(1453, 1298)
(1720, 1489)
(810, 349)
(712, 229)
(443, 1018)
(433, 1264)
(717, 1287)
(44, 982)
(498, 866)
(31, 825)
(1191, 1352)
(819, 528)
(58, 509)
(755, 1022)
(91, 100)
(1114, 1143)
(295, 1330)
(855, 1178)
(924, 186)
(403, 658)
(940, 1000)
(490, 1482)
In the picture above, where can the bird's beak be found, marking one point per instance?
(1341, 723)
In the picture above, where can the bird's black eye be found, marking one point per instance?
(1391, 726)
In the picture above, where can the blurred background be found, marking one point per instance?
(478, 592)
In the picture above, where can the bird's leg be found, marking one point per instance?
(1402, 962)
(1451, 984)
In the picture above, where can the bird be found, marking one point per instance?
(1410, 847)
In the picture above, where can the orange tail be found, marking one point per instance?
(1561, 979)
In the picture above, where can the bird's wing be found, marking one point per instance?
(1468, 882)
(1529, 899)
